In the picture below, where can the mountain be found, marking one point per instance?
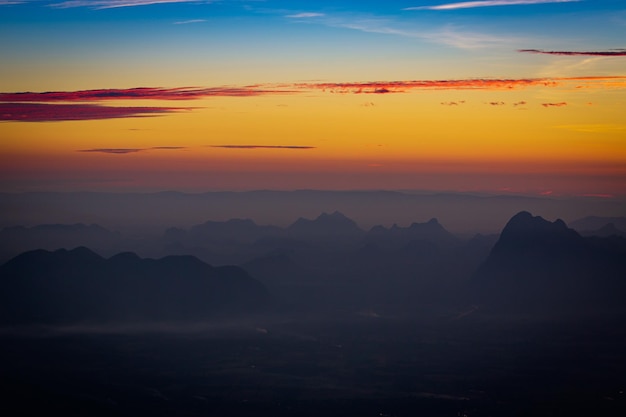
(79, 285)
(431, 231)
(325, 226)
(605, 231)
(233, 230)
(597, 222)
(18, 239)
(537, 265)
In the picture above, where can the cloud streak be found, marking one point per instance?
(386, 87)
(614, 52)
(140, 93)
(43, 112)
(297, 147)
(560, 104)
(187, 22)
(111, 4)
(124, 151)
(489, 3)
(305, 15)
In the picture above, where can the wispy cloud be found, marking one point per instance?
(452, 103)
(488, 3)
(123, 151)
(11, 2)
(386, 87)
(305, 15)
(142, 93)
(560, 104)
(300, 147)
(448, 35)
(612, 52)
(497, 103)
(110, 4)
(188, 22)
(43, 112)
(115, 151)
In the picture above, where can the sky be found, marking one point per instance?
(520, 96)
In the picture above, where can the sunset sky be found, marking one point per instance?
(520, 96)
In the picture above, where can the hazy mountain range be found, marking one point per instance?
(327, 263)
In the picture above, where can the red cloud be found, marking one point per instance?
(41, 112)
(141, 93)
(404, 86)
(121, 151)
(614, 52)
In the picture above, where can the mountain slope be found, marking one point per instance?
(79, 285)
(538, 265)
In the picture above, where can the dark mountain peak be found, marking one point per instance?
(538, 264)
(80, 252)
(125, 257)
(432, 224)
(326, 224)
(524, 226)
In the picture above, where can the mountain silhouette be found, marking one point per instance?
(607, 230)
(537, 265)
(325, 225)
(597, 222)
(431, 231)
(79, 285)
(237, 230)
(18, 239)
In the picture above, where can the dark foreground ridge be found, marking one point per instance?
(78, 285)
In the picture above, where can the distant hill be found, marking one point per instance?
(18, 239)
(537, 265)
(80, 286)
(325, 226)
(593, 223)
(605, 231)
(431, 231)
(233, 230)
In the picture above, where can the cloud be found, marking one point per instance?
(497, 103)
(385, 87)
(612, 52)
(519, 103)
(263, 147)
(452, 103)
(305, 15)
(561, 104)
(168, 148)
(111, 4)
(187, 22)
(116, 151)
(40, 112)
(488, 3)
(140, 93)
(123, 151)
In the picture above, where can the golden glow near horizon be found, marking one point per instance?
(526, 131)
